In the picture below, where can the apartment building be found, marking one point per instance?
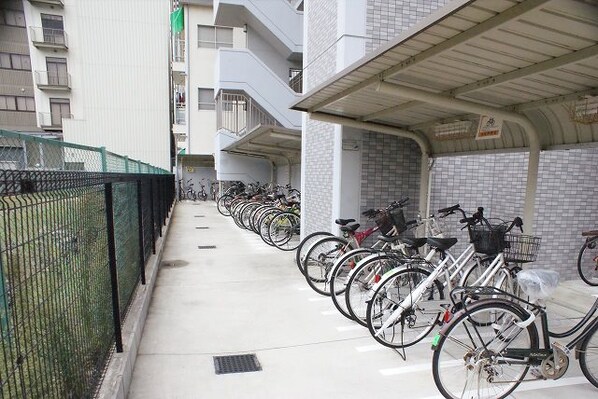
(239, 74)
(86, 72)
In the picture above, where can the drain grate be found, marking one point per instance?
(206, 246)
(200, 216)
(236, 364)
(202, 228)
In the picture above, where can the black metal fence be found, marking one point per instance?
(73, 249)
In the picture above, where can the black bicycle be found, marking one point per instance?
(489, 359)
(587, 261)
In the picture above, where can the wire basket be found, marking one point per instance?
(384, 222)
(521, 248)
(489, 240)
(398, 219)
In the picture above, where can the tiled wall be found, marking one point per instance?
(566, 198)
(390, 171)
(387, 18)
(318, 138)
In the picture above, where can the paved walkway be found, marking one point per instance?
(245, 297)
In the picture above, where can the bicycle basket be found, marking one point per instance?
(489, 240)
(398, 219)
(521, 248)
(384, 222)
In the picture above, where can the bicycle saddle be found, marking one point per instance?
(590, 233)
(350, 227)
(441, 243)
(415, 242)
(343, 222)
(388, 239)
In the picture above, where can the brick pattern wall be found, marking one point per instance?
(566, 198)
(318, 140)
(387, 18)
(390, 171)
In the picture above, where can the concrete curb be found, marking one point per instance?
(119, 370)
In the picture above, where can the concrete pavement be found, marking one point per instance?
(246, 297)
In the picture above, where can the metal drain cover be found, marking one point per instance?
(202, 228)
(236, 364)
(206, 246)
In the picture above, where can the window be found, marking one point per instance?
(13, 18)
(17, 103)
(15, 61)
(53, 29)
(57, 72)
(214, 36)
(206, 99)
(59, 108)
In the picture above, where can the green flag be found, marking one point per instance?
(176, 20)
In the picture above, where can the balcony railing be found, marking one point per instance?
(52, 81)
(296, 80)
(239, 113)
(52, 120)
(179, 115)
(57, 3)
(49, 38)
(178, 51)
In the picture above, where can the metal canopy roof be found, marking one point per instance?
(269, 141)
(525, 61)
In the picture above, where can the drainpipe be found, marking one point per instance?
(467, 106)
(422, 141)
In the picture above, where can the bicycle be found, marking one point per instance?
(202, 194)
(408, 303)
(587, 261)
(490, 360)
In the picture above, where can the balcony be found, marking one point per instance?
(178, 50)
(240, 71)
(239, 114)
(52, 121)
(46, 38)
(179, 115)
(52, 81)
(57, 3)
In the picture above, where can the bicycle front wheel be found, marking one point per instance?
(319, 260)
(587, 262)
(416, 320)
(304, 246)
(284, 231)
(588, 356)
(483, 361)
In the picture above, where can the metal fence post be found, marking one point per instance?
(113, 272)
(104, 159)
(152, 216)
(159, 199)
(140, 230)
(126, 164)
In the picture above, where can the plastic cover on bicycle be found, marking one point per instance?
(538, 283)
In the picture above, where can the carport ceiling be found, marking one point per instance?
(529, 57)
(269, 141)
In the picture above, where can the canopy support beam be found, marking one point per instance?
(480, 109)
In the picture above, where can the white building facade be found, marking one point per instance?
(101, 75)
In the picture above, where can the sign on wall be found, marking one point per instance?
(490, 127)
(190, 169)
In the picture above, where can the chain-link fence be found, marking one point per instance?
(26, 152)
(73, 248)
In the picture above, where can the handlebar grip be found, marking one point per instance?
(449, 209)
(403, 201)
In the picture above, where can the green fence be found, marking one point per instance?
(26, 152)
(74, 241)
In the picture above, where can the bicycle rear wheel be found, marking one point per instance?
(416, 321)
(223, 204)
(587, 262)
(305, 244)
(319, 260)
(588, 356)
(284, 231)
(483, 361)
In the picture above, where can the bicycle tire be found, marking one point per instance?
(416, 321)
(304, 246)
(587, 262)
(221, 205)
(255, 216)
(458, 356)
(362, 280)
(339, 276)
(319, 260)
(589, 348)
(264, 224)
(283, 228)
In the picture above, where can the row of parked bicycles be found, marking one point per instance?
(484, 314)
(272, 212)
(187, 191)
